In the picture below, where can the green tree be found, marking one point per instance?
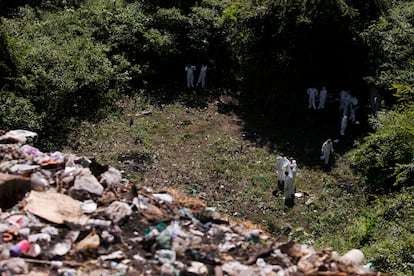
(391, 43)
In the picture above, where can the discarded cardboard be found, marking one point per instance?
(54, 207)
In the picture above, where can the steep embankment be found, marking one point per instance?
(211, 153)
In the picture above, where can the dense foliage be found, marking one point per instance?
(386, 156)
(63, 61)
(68, 56)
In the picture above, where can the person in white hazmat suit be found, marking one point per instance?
(202, 76)
(190, 75)
(347, 103)
(292, 171)
(322, 97)
(326, 150)
(312, 93)
(344, 124)
(289, 189)
(292, 167)
(352, 108)
(282, 164)
(344, 95)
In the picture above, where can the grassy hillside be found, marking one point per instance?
(212, 150)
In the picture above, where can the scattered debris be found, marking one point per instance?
(68, 215)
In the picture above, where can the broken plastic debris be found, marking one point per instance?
(164, 196)
(117, 211)
(89, 206)
(355, 257)
(62, 248)
(39, 182)
(91, 241)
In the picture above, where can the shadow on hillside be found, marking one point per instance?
(193, 98)
(286, 126)
(299, 132)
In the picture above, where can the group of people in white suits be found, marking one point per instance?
(190, 69)
(317, 96)
(348, 105)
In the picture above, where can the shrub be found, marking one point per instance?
(17, 112)
(385, 158)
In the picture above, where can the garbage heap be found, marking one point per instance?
(63, 214)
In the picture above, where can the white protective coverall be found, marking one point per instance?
(190, 75)
(292, 168)
(292, 172)
(322, 97)
(344, 94)
(327, 149)
(352, 107)
(347, 103)
(289, 187)
(202, 76)
(344, 124)
(282, 164)
(312, 93)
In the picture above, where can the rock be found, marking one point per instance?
(17, 136)
(353, 257)
(118, 211)
(111, 178)
(86, 181)
(14, 266)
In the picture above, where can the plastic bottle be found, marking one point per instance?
(19, 248)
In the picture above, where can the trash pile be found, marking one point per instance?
(63, 214)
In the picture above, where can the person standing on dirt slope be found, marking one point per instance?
(344, 124)
(292, 165)
(289, 189)
(202, 76)
(292, 169)
(312, 93)
(347, 103)
(353, 102)
(281, 167)
(344, 94)
(292, 162)
(190, 75)
(326, 150)
(322, 97)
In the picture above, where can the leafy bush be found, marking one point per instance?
(386, 156)
(391, 243)
(17, 112)
(390, 41)
(61, 69)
